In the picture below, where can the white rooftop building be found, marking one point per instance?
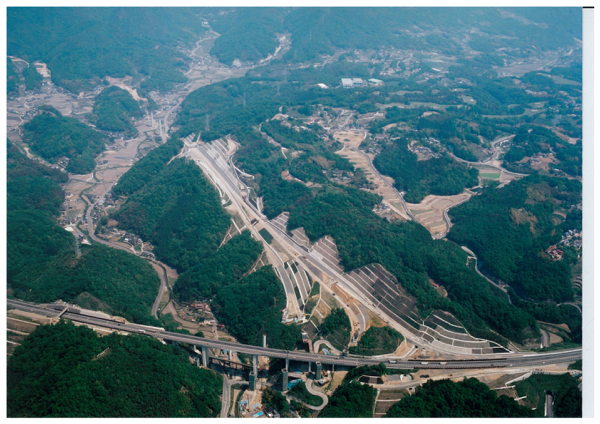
(357, 81)
(347, 82)
(323, 86)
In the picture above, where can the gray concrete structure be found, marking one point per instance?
(284, 380)
(205, 356)
(319, 371)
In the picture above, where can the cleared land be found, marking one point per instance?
(430, 212)
(389, 195)
(349, 138)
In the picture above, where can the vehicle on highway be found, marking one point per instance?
(392, 361)
(443, 363)
(424, 363)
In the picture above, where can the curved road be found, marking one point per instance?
(387, 183)
(163, 286)
(469, 251)
(313, 391)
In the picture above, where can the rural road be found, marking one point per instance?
(316, 392)
(225, 397)
(466, 249)
(163, 286)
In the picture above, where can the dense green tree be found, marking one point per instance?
(441, 176)
(253, 306)
(178, 210)
(53, 136)
(351, 400)
(113, 110)
(377, 341)
(445, 399)
(58, 372)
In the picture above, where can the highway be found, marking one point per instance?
(232, 187)
(510, 360)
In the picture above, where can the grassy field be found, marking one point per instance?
(378, 341)
(491, 176)
(266, 235)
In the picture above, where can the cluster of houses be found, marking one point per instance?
(569, 238)
(341, 176)
(423, 153)
(382, 207)
(555, 253)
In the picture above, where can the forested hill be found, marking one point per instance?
(57, 372)
(466, 399)
(180, 212)
(440, 176)
(83, 45)
(41, 262)
(250, 34)
(147, 167)
(113, 108)
(53, 136)
(510, 228)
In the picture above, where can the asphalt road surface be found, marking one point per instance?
(509, 360)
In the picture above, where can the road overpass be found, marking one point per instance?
(495, 361)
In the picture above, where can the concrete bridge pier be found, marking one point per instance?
(284, 380)
(205, 356)
(319, 372)
(287, 364)
(255, 364)
(229, 352)
(252, 380)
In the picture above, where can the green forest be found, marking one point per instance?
(336, 328)
(224, 267)
(147, 168)
(65, 370)
(253, 306)
(350, 400)
(510, 228)
(113, 110)
(377, 341)
(469, 398)
(440, 176)
(54, 136)
(41, 261)
(83, 45)
(178, 210)
(568, 398)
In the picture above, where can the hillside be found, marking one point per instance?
(58, 366)
(83, 45)
(510, 229)
(113, 110)
(466, 399)
(180, 212)
(54, 136)
(41, 261)
(440, 176)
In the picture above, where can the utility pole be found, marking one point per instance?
(206, 128)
